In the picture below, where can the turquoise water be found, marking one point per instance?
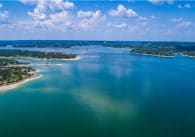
(108, 93)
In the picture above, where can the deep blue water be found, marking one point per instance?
(107, 93)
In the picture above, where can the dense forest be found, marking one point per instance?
(14, 74)
(5, 62)
(169, 50)
(48, 43)
(9, 74)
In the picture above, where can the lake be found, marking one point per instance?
(107, 93)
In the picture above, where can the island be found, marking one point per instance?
(14, 73)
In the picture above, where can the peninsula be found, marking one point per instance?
(11, 77)
(14, 73)
(163, 49)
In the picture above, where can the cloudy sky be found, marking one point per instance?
(154, 20)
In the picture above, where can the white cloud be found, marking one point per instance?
(170, 2)
(131, 1)
(68, 5)
(188, 6)
(140, 18)
(121, 11)
(87, 14)
(180, 23)
(51, 14)
(157, 2)
(89, 19)
(161, 2)
(3, 16)
(184, 24)
(141, 23)
(60, 21)
(29, 1)
(131, 20)
(44, 8)
(153, 17)
(119, 26)
(144, 23)
(179, 6)
(56, 3)
(124, 27)
(1, 5)
(58, 14)
(176, 20)
(169, 31)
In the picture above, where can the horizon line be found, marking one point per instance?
(95, 40)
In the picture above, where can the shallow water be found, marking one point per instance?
(108, 93)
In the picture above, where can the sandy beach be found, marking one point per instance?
(18, 84)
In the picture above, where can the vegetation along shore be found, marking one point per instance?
(15, 73)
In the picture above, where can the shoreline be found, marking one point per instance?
(38, 64)
(184, 55)
(45, 64)
(72, 59)
(76, 58)
(4, 88)
(153, 55)
(163, 56)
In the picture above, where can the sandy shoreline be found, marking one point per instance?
(18, 84)
(37, 64)
(188, 56)
(45, 64)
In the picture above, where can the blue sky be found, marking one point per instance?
(131, 20)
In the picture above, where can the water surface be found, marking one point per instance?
(108, 93)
